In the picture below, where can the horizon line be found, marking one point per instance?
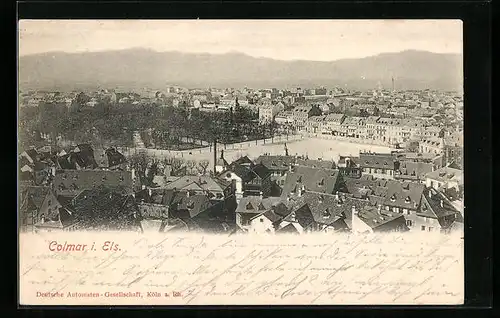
(235, 52)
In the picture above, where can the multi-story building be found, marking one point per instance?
(301, 114)
(332, 124)
(315, 124)
(268, 112)
(379, 165)
(371, 127)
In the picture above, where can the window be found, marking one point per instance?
(430, 228)
(387, 208)
(326, 214)
(405, 211)
(409, 223)
(422, 227)
(261, 220)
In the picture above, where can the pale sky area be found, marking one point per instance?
(320, 40)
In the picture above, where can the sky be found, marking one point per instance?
(317, 40)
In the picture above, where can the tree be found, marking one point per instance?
(175, 163)
(191, 164)
(203, 166)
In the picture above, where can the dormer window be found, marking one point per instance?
(249, 206)
(299, 179)
(190, 205)
(261, 207)
(393, 198)
(321, 182)
(326, 214)
(408, 199)
(103, 178)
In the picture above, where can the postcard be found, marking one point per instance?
(240, 162)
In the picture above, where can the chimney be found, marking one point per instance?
(143, 187)
(215, 156)
(441, 203)
(379, 209)
(187, 194)
(337, 195)
(261, 194)
(149, 192)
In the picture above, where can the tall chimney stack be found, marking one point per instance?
(215, 156)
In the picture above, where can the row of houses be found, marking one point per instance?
(271, 194)
(388, 130)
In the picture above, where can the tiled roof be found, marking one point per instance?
(334, 118)
(194, 204)
(33, 196)
(406, 195)
(288, 229)
(254, 204)
(436, 205)
(325, 164)
(311, 179)
(446, 174)
(60, 218)
(71, 182)
(352, 120)
(378, 161)
(374, 218)
(414, 170)
(243, 160)
(273, 163)
(105, 208)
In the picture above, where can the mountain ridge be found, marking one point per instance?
(412, 69)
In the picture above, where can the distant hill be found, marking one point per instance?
(146, 68)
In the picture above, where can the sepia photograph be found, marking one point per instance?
(240, 162)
